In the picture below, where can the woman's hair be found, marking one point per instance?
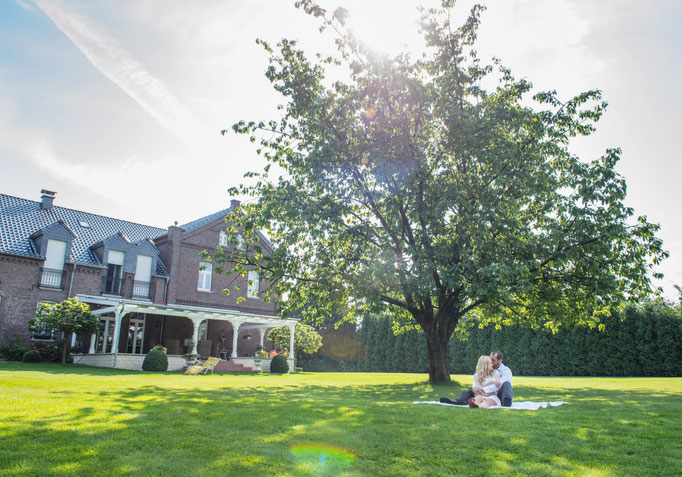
(484, 368)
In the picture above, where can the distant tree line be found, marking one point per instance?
(641, 341)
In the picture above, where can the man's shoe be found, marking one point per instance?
(472, 403)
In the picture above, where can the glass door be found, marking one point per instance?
(135, 335)
(105, 335)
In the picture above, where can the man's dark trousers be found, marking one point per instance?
(506, 395)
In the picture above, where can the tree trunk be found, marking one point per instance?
(67, 342)
(437, 351)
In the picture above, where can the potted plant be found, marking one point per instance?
(258, 358)
(190, 358)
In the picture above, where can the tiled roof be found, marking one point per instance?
(20, 218)
(195, 224)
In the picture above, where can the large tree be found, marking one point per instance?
(411, 187)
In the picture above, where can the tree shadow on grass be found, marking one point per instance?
(153, 429)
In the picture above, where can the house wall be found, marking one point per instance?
(185, 261)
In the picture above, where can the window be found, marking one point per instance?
(254, 284)
(223, 238)
(114, 272)
(52, 272)
(143, 275)
(205, 272)
(43, 334)
(240, 242)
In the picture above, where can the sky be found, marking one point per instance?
(118, 105)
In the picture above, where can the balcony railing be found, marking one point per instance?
(112, 286)
(50, 278)
(141, 289)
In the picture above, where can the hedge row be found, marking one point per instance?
(644, 341)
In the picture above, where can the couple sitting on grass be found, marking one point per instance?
(492, 384)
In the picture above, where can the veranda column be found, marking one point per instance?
(235, 336)
(118, 315)
(195, 336)
(93, 342)
(292, 353)
(262, 331)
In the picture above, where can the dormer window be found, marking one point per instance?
(143, 276)
(52, 272)
(222, 240)
(114, 277)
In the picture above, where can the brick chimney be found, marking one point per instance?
(46, 199)
(234, 204)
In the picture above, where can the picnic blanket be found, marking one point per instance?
(525, 405)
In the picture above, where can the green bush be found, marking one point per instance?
(279, 364)
(155, 360)
(31, 356)
(48, 351)
(15, 350)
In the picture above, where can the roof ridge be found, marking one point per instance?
(89, 213)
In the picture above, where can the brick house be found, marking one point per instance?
(147, 285)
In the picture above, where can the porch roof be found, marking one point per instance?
(247, 320)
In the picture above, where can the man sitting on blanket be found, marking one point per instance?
(504, 391)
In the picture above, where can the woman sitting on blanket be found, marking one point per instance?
(485, 375)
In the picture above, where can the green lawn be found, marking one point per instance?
(72, 420)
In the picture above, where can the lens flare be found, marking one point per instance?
(322, 459)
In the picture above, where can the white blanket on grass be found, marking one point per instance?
(527, 405)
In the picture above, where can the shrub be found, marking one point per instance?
(298, 370)
(49, 352)
(279, 364)
(31, 356)
(15, 350)
(155, 360)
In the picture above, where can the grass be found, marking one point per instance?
(73, 420)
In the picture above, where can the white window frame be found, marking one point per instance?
(205, 277)
(240, 242)
(33, 333)
(222, 238)
(253, 284)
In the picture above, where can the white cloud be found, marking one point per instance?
(114, 62)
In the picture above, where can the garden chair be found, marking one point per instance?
(204, 367)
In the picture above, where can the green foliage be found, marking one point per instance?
(306, 339)
(279, 364)
(15, 350)
(156, 360)
(412, 189)
(640, 341)
(49, 352)
(31, 356)
(69, 316)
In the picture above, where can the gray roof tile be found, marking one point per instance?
(21, 218)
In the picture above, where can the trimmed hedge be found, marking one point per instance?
(279, 364)
(643, 341)
(156, 360)
(31, 356)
